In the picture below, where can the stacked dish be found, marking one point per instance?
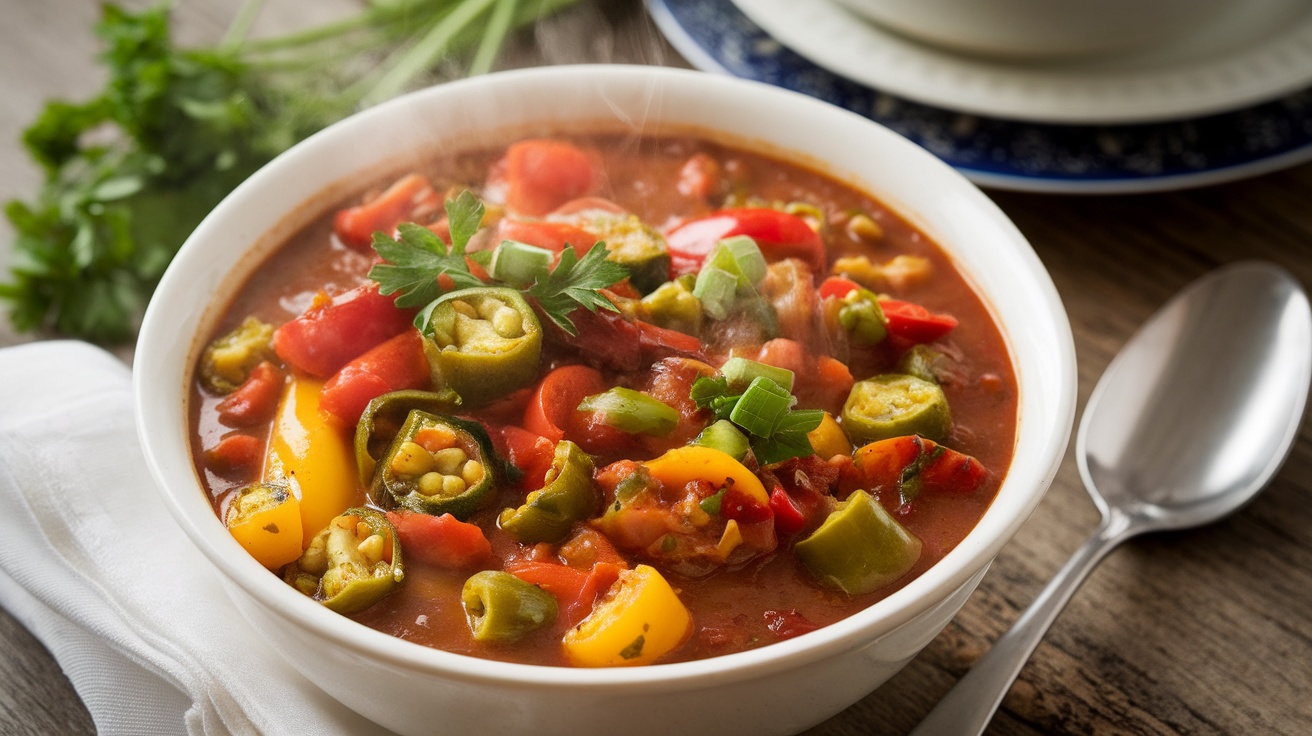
(1227, 99)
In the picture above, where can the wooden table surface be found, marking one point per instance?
(1202, 632)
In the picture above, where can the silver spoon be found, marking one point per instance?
(1190, 421)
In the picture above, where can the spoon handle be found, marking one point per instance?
(970, 705)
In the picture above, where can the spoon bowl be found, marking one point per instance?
(1200, 408)
(1189, 422)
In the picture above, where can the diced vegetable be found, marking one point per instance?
(519, 264)
(914, 323)
(485, 342)
(265, 519)
(860, 548)
(640, 620)
(351, 564)
(438, 464)
(546, 234)
(778, 234)
(683, 465)
(396, 364)
(228, 360)
(740, 372)
(442, 540)
(673, 306)
(382, 419)
(542, 174)
(255, 400)
(894, 404)
(631, 411)
(502, 608)
(333, 331)
(409, 198)
(922, 362)
(633, 244)
(913, 465)
(828, 439)
(309, 449)
(725, 437)
(568, 496)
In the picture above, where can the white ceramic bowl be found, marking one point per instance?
(1039, 28)
(781, 688)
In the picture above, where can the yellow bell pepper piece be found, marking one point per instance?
(682, 465)
(640, 620)
(311, 452)
(828, 439)
(266, 521)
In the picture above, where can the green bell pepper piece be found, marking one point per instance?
(859, 548)
(484, 343)
(896, 405)
(350, 564)
(459, 478)
(502, 608)
(382, 420)
(567, 496)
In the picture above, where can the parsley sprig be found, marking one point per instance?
(420, 268)
(130, 172)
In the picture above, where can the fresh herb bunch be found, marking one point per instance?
(130, 173)
(420, 268)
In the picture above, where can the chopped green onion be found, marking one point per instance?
(761, 407)
(632, 411)
(519, 264)
(716, 288)
(712, 504)
(726, 438)
(741, 257)
(740, 372)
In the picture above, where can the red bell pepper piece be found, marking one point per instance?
(255, 401)
(444, 540)
(913, 322)
(553, 411)
(411, 197)
(329, 334)
(659, 342)
(541, 174)
(837, 287)
(396, 364)
(236, 456)
(788, 518)
(905, 463)
(553, 236)
(778, 234)
(530, 452)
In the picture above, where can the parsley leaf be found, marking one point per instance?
(130, 172)
(416, 261)
(576, 282)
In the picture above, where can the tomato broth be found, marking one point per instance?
(687, 515)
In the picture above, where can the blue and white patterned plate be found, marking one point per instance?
(715, 36)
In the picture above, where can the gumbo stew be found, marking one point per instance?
(596, 402)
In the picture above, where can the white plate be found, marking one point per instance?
(1255, 51)
(714, 35)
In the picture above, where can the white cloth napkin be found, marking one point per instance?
(94, 566)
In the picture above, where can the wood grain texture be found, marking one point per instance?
(1203, 632)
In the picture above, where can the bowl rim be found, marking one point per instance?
(160, 368)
